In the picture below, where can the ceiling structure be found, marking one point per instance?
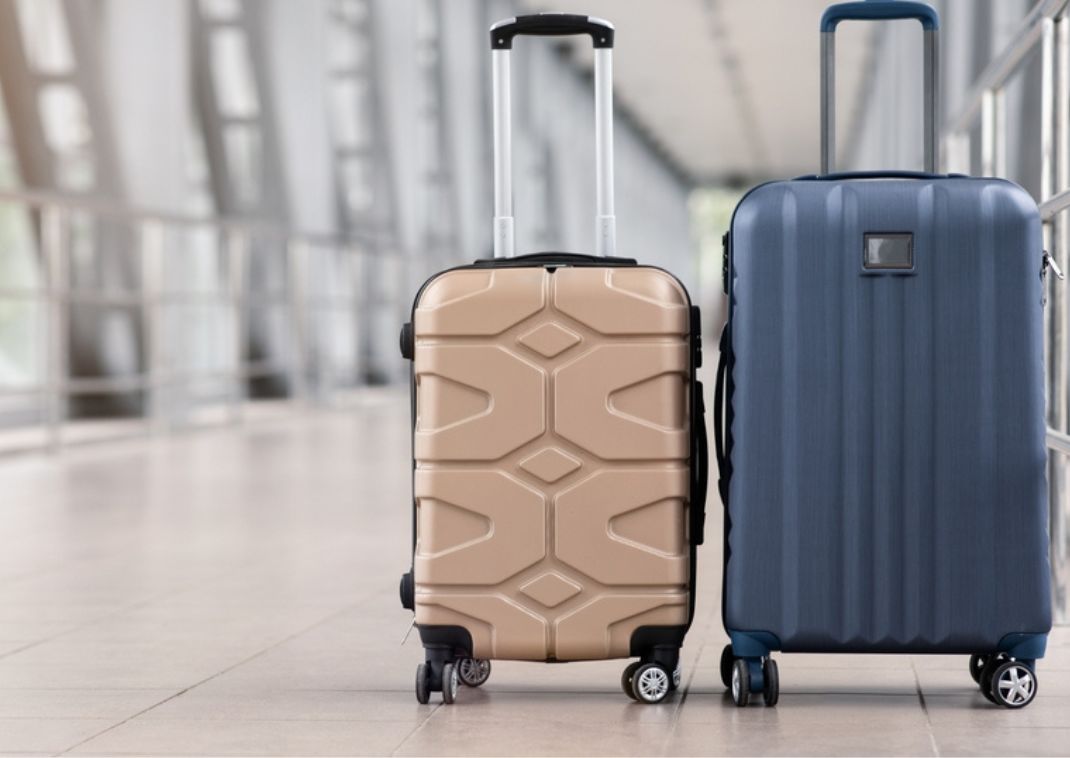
(728, 88)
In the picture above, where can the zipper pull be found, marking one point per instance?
(1049, 262)
(725, 239)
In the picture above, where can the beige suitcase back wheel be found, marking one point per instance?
(473, 671)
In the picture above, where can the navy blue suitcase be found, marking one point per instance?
(880, 417)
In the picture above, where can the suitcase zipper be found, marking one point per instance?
(1048, 261)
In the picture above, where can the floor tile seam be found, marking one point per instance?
(115, 612)
(416, 728)
(181, 692)
(925, 710)
(684, 691)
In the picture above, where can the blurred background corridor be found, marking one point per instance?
(214, 215)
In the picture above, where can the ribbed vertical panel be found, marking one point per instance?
(789, 416)
(888, 438)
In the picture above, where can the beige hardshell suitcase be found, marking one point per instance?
(558, 443)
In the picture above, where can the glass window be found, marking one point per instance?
(67, 132)
(350, 11)
(346, 48)
(348, 98)
(221, 10)
(43, 26)
(242, 145)
(357, 180)
(65, 119)
(9, 169)
(232, 74)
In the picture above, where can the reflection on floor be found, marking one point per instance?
(235, 592)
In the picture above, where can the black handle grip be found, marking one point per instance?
(551, 25)
(880, 10)
(700, 484)
(720, 433)
(877, 174)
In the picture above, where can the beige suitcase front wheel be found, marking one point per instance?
(450, 683)
(651, 683)
(626, 679)
(423, 684)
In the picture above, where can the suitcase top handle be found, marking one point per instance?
(501, 42)
(877, 10)
(551, 25)
(880, 10)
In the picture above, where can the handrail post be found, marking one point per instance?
(988, 133)
(300, 361)
(55, 227)
(955, 153)
(156, 410)
(236, 244)
(1047, 105)
(994, 132)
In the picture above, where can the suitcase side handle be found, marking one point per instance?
(551, 25)
(878, 10)
(720, 433)
(545, 24)
(701, 482)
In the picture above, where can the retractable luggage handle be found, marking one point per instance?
(877, 10)
(501, 43)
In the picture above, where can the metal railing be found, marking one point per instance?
(316, 281)
(1047, 25)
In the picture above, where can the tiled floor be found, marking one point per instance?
(234, 592)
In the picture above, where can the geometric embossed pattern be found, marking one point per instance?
(514, 415)
(550, 464)
(550, 589)
(549, 339)
(539, 397)
(585, 418)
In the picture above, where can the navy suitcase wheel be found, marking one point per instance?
(880, 416)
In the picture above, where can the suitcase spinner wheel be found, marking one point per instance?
(626, 679)
(473, 671)
(450, 683)
(744, 676)
(1014, 684)
(740, 683)
(1004, 681)
(977, 665)
(651, 683)
(727, 659)
(770, 682)
(423, 683)
(435, 676)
